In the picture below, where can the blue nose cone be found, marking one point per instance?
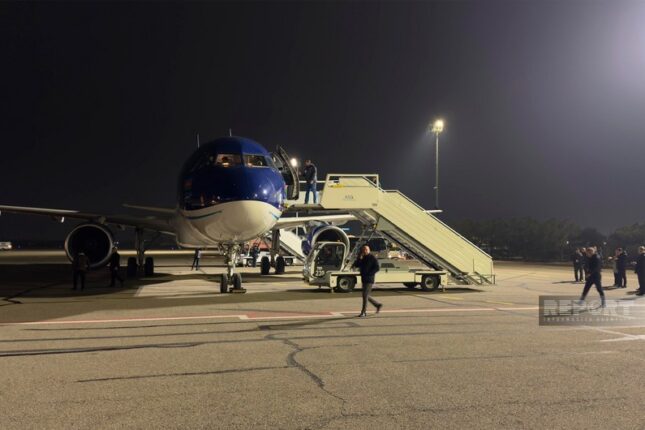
(230, 169)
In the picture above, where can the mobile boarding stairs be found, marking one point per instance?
(399, 219)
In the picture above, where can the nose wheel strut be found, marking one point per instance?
(231, 281)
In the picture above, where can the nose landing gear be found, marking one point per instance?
(231, 281)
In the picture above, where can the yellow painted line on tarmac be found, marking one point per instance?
(451, 298)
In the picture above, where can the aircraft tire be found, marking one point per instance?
(149, 266)
(236, 280)
(131, 270)
(280, 265)
(223, 284)
(265, 266)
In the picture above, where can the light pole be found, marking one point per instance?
(437, 128)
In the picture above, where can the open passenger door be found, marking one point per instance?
(289, 173)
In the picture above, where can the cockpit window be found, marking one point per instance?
(255, 160)
(228, 160)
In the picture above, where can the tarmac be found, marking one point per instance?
(170, 352)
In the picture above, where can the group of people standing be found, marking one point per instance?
(81, 265)
(587, 266)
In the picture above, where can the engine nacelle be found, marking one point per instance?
(324, 233)
(95, 240)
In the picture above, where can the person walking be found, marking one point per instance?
(115, 266)
(196, 258)
(368, 266)
(640, 271)
(80, 266)
(594, 276)
(576, 259)
(310, 174)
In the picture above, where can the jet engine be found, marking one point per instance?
(95, 240)
(324, 233)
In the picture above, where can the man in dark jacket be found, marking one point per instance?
(311, 179)
(368, 266)
(80, 266)
(115, 266)
(594, 275)
(576, 259)
(621, 268)
(640, 271)
(196, 257)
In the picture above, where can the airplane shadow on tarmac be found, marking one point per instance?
(46, 291)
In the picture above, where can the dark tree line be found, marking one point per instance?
(550, 240)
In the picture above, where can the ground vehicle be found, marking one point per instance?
(6, 246)
(247, 260)
(324, 267)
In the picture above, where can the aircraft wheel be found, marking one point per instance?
(410, 285)
(265, 266)
(236, 281)
(223, 286)
(279, 265)
(429, 283)
(149, 266)
(346, 284)
(132, 267)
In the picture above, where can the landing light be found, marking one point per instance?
(294, 162)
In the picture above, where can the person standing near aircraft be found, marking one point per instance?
(584, 263)
(255, 252)
(368, 266)
(640, 271)
(115, 266)
(620, 268)
(196, 258)
(311, 179)
(576, 259)
(594, 275)
(80, 266)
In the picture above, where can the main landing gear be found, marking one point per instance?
(276, 260)
(135, 264)
(230, 281)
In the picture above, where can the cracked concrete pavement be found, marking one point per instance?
(170, 352)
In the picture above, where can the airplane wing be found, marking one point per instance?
(161, 222)
(292, 221)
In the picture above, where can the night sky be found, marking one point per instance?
(544, 101)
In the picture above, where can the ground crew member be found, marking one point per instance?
(311, 179)
(640, 271)
(196, 258)
(368, 266)
(255, 252)
(80, 266)
(576, 259)
(594, 276)
(115, 266)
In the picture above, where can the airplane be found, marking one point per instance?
(229, 191)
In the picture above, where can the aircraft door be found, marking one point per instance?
(289, 173)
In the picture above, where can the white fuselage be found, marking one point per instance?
(225, 223)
